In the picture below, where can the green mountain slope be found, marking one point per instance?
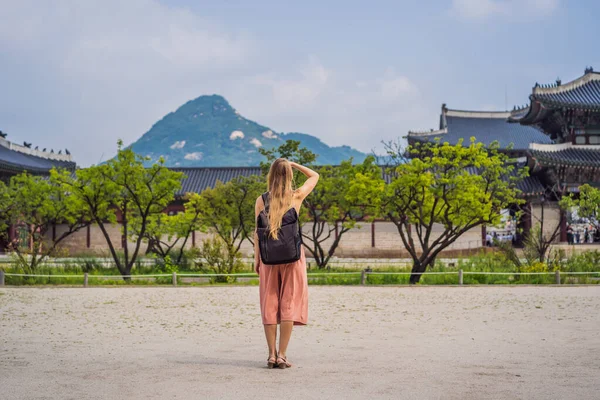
(208, 132)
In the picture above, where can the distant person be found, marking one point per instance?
(283, 287)
(569, 234)
(488, 240)
(577, 237)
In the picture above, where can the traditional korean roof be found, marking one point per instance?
(582, 94)
(531, 186)
(566, 154)
(198, 179)
(485, 126)
(15, 159)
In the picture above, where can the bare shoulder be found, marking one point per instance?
(259, 205)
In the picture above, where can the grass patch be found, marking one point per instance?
(474, 267)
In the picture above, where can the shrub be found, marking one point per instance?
(218, 259)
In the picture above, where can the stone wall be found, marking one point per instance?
(551, 218)
(358, 242)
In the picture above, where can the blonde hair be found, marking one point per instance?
(279, 183)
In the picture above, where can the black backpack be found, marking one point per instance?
(286, 248)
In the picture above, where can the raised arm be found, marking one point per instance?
(311, 182)
(258, 206)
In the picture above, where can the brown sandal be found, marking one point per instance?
(271, 364)
(282, 363)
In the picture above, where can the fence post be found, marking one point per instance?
(174, 278)
(363, 276)
(1, 277)
(460, 276)
(557, 276)
(85, 279)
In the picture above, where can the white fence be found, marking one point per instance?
(363, 275)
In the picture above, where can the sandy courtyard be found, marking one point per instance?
(362, 342)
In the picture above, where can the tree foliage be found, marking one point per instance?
(345, 195)
(5, 205)
(167, 235)
(291, 151)
(124, 190)
(453, 188)
(228, 212)
(35, 206)
(587, 203)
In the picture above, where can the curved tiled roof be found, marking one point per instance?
(486, 127)
(16, 161)
(198, 179)
(583, 93)
(567, 154)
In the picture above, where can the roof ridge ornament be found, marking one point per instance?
(589, 70)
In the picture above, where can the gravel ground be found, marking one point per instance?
(526, 342)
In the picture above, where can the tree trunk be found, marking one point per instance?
(417, 269)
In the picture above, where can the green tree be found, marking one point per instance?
(345, 195)
(123, 188)
(5, 205)
(538, 241)
(587, 202)
(453, 186)
(167, 235)
(229, 214)
(291, 151)
(36, 206)
(219, 259)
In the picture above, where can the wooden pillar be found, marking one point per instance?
(483, 235)
(372, 234)
(88, 237)
(563, 226)
(527, 219)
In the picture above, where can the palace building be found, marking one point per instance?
(557, 135)
(15, 159)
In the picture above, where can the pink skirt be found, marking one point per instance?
(284, 292)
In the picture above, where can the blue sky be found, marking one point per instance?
(81, 74)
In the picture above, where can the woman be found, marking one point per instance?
(283, 288)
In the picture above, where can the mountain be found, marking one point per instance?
(208, 132)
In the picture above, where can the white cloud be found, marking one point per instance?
(483, 9)
(336, 107)
(396, 86)
(103, 70)
(256, 142)
(269, 134)
(178, 144)
(193, 156)
(300, 92)
(236, 135)
(107, 69)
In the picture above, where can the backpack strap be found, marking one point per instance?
(265, 197)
